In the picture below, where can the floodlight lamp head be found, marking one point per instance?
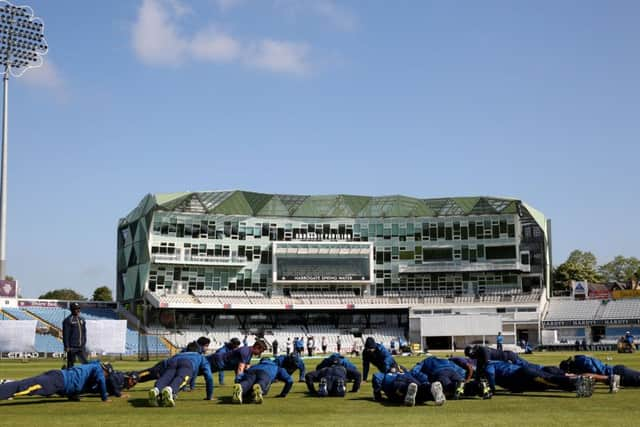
(19, 52)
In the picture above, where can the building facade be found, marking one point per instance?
(363, 246)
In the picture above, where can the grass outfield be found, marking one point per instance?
(548, 408)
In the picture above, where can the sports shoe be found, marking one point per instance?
(438, 395)
(154, 394)
(459, 390)
(341, 389)
(485, 389)
(323, 391)
(615, 384)
(237, 394)
(257, 394)
(410, 397)
(167, 397)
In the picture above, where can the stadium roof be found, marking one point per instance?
(236, 202)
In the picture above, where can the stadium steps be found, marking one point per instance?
(20, 314)
(172, 348)
(7, 315)
(50, 325)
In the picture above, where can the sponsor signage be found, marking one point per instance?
(589, 322)
(326, 277)
(8, 289)
(30, 355)
(626, 293)
(36, 303)
(580, 289)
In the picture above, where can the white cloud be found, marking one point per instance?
(159, 40)
(339, 16)
(155, 36)
(279, 56)
(47, 77)
(215, 46)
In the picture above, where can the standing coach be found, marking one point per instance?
(74, 333)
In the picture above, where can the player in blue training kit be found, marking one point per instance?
(521, 378)
(611, 375)
(201, 345)
(336, 359)
(255, 382)
(90, 378)
(237, 359)
(226, 348)
(177, 373)
(447, 373)
(404, 388)
(331, 381)
(482, 355)
(380, 357)
(290, 360)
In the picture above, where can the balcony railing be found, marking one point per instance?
(456, 266)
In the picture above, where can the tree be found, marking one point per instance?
(64, 294)
(621, 269)
(103, 293)
(579, 266)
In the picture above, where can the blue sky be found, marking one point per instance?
(536, 100)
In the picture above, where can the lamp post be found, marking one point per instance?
(22, 45)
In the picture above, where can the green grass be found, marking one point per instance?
(548, 408)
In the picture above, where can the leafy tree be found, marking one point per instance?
(579, 266)
(64, 294)
(10, 278)
(621, 269)
(103, 293)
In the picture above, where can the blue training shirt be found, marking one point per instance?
(200, 365)
(587, 364)
(275, 372)
(83, 377)
(432, 366)
(380, 357)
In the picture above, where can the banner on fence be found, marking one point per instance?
(18, 336)
(106, 336)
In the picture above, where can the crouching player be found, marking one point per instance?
(332, 381)
(89, 378)
(451, 376)
(176, 374)
(379, 356)
(337, 359)
(521, 378)
(255, 382)
(404, 388)
(291, 362)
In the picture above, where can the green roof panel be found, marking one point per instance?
(274, 207)
(234, 204)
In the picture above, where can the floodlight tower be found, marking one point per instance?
(22, 45)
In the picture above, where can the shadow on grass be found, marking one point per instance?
(139, 403)
(34, 401)
(539, 394)
(225, 400)
(384, 402)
